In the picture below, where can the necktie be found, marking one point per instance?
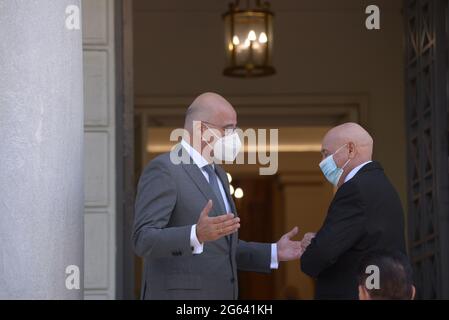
(214, 184)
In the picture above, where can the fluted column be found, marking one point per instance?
(41, 150)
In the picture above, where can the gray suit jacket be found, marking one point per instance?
(169, 200)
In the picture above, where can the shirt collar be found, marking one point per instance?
(355, 170)
(197, 158)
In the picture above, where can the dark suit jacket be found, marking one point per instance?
(365, 215)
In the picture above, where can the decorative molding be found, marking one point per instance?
(97, 236)
(95, 22)
(96, 88)
(94, 295)
(288, 109)
(97, 169)
(100, 126)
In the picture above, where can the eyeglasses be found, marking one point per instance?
(226, 129)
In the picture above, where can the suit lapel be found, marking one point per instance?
(200, 181)
(197, 177)
(224, 181)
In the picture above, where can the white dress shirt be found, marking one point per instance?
(355, 170)
(198, 247)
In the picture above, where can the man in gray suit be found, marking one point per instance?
(185, 219)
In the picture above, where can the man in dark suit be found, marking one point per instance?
(365, 214)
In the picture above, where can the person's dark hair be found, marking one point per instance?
(396, 275)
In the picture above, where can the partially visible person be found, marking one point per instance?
(395, 277)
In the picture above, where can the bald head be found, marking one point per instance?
(355, 142)
(350, 132)
(212, 108)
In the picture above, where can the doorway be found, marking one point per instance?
(299, 195)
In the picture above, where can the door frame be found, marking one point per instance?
(125, 288)
(286, 109)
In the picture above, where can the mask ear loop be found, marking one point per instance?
(340, 148)
(336, 151)
(218, 138)
(346, 164)
(212, 133)
(348, 159)
(210, 146)
(210, 130)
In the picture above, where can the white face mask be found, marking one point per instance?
(330, 169)
(226, 148)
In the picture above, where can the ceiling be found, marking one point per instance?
(220, 6)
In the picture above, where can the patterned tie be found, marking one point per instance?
(214, 184)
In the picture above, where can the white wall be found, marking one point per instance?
(99, 128)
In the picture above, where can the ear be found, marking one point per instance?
(363, 293)
(202, 135)
(196, 125)
(352, 150)
(413, 293)
(203, 131)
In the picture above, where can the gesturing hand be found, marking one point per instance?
(307, 239)
(289, 249)
(213, 228)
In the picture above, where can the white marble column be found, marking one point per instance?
(41, 150)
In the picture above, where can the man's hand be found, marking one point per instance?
(213, 228)
(306, 240)
(289, 249)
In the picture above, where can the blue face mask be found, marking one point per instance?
(330, 169)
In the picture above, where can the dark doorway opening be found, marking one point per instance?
(257, 213)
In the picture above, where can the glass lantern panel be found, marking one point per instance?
(250, 38)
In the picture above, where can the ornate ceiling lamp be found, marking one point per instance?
(249, 39)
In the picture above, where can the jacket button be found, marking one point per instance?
(232, 280)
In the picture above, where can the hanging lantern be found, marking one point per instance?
(249, 39)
